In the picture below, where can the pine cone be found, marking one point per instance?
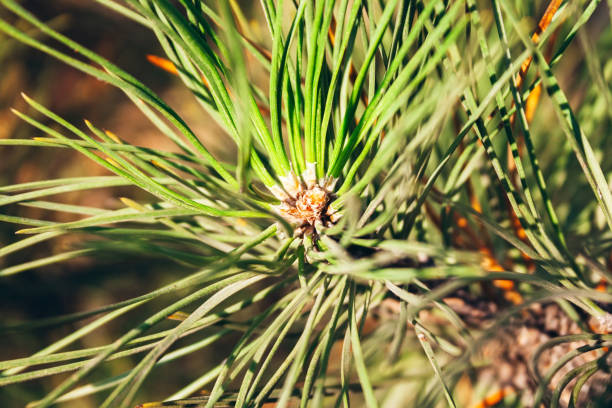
(512, 350)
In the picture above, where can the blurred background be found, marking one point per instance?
(82, 284)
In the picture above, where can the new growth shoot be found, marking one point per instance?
(305, 201)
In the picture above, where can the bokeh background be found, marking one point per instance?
(85, 284)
